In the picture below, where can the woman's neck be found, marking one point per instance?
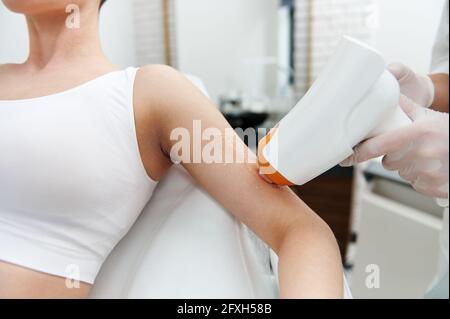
(55, 40)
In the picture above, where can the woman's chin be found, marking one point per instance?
(32, 7)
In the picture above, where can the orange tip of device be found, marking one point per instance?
(267, 172)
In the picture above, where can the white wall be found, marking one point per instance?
(407, 29)
(117, 32)
(116, 29)
(215, 36)
(13, 37)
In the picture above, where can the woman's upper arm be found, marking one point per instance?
(236, 185)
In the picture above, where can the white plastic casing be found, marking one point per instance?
(354, 98)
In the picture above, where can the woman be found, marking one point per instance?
(82, 147)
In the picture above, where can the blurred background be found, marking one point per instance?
(256, 59)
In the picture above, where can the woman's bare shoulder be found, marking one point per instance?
(155, 77)
(150, 86)
(7, 68)
(165, 99)
(3, 67)
(7, 72)
(164, 85)
(154, 69)
(164, 90)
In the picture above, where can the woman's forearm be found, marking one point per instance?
(310, 264)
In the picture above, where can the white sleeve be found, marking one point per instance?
(440, 60)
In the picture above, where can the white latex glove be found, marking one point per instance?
(419, 152)
(418, 88)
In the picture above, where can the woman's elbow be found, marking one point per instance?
(312, 231)
(310, 264)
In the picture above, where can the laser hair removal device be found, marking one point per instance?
(353, 99)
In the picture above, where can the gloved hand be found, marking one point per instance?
(418, 88)
(419, 152)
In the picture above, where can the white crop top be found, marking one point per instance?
(72, 182)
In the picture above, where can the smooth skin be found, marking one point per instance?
(61, 58)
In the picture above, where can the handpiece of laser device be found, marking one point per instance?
(353, 99)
